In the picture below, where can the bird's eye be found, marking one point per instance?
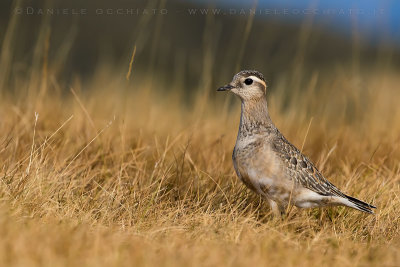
(248, 81)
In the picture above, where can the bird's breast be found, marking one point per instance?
(256, 163)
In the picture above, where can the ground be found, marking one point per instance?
(99, 176)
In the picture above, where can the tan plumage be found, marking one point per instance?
(269, 164)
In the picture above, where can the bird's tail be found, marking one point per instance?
(360, 205)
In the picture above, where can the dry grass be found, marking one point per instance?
(121, 173)
(113, 178)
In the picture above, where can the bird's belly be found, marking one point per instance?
(270, 184)
(276, 191)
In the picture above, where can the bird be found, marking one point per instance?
(267, 163)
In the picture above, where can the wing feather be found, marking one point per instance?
(301, 169)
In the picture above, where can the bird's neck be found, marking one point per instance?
(254, 115)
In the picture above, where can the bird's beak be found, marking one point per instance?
(226, 87)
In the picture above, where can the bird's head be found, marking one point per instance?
(247, 84)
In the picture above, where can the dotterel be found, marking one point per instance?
(269, 164)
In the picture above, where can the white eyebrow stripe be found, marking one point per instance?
(255, 78)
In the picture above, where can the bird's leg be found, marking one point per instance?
(277, 210)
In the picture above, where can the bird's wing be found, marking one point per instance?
(301, 169)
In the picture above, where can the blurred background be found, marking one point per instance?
(344, 54)
(197, 44)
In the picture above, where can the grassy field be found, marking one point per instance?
(110, 171)
(114, 173)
